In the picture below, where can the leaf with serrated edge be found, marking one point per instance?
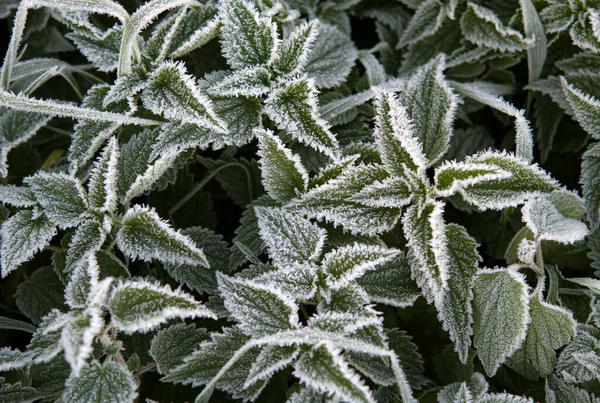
(547, 223)
(170, 346)
(298, 281)
(140, 306)
(428, 18)
(102, 188)
(451, 177)
(17, 196)
(271, 360)
(24, 235)
(154, 172)
(294, 51)
(105, 383)
(146, 236)
(87, 240)
(259, 309)
(249, 82)
(585, 107)
(283, 175)
(78, 337)
(82, 282)
(289, 237)
(500, 323)
(324, 369)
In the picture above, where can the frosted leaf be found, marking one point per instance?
(525, 181)
(332, 57)
(87, 240)
(250, 82)
(17, 392)
(293, 107)
(482, 27)
(294, 51)
(324, 369)
(557, 17)
(172, 93)
(585, 107)
(390, 283)
(557, 390)
(428, 248)
(590, 170)
(344, 265)
(144, 235)
(395, 137)
(172, 345)
(17, 127)
(335, 202)
(134, 159)
(451, 177)
(242, 116)
(591, 283)
(102, 383)
(344, 322)
(298, 281)
(140, 306)
(526, 251)
(504, 398)
(14, 359)
(500, 323)
(61, 196)
(45, 342)
(551, 327)
(578, 362)
(247, 38)
(24, 235)
(547, 223)
(100, 48)
(154, 172)
(426, 20)
(78, 337)
(283, 175)
(431, 105)
(455, 309)
(40, 294)
(455, 393)
(289, 237)
(102, 188)
(582, 33)
(270, 360)
(332, 171)
(17, 196)
(392, 192)
(534, 29)
(259, 309)
(126, 86)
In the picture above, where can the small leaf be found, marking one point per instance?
(172, 345)
(547, 223)
(324, 369)
(102, 188)
(140, 306)
(134, 159)
(259, 309)
(293, 107)
(284, 176)
(590, 182)
(500, 323)
(61, 196)
(271, 360)
(250, 82)
(585, 107)
(482, 27)
(426, 20)
(24, 235)
(578, 362)
(451, 177)
(87, 240)
(78, 337)
(102, 383)
(144, 235)
(289, 237)
(295, 50)
(151, 176)
(247, 38)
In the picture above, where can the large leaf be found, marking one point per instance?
(39, 294)
(172, 345)
(102, 383)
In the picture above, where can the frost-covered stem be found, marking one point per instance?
(52, 108)
(142, 17)
(13, 47)
(207, 179)
(59, 131)
(539, 259)
(552, 295)
(55, 249)
(145, 369)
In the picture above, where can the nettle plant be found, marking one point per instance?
(377, 229)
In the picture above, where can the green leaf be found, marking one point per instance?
(428, 253)
(172, 93)
(100, 48)
(332, 57)
(585, 107)
(293, 54)
(558, 390)
(500, 323)
(87, 240)
(394, 134)
(102, 383)
(578, 362)
(431, 105)
(293, 107)
(547, 223)
(38, 295)
(390, 283)
(24, 235)
(17, 127)
(17, 196)
(536, 54)
(590, 182)
(551, 327)
(335, 201)
(172, 345)
(289, 237)
(250, 82)
(284, 176)
(17, 393)
(126, 86)
(61, 196)
(455, 310)
(140, 306)
(247, 38)
(557, 17)
(134, 159)
(270, 360)
(297, 280)
(259, 309)
(78, 335)
(216, 250)
(451, 177)
(144, 235)
(324, 369)
(482, 27)
(410, 360)
(344, 265)
(241, 179)
(14, 359)
(13, 324)
(426, 20)
(525, 181)
(102, 188)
